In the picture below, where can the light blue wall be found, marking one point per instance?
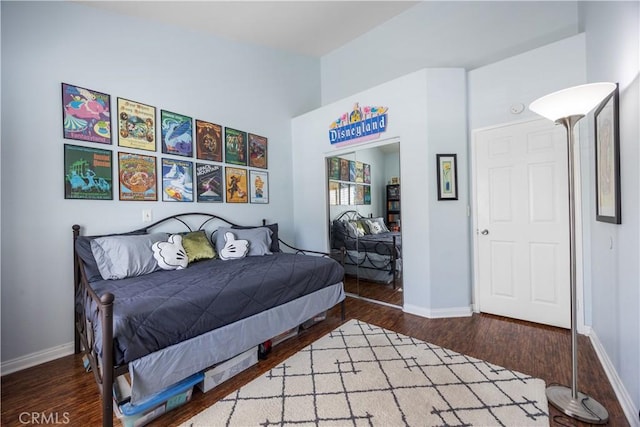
(613, 54)
(428, 34)
(45, 43)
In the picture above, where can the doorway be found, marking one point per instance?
(521, 222)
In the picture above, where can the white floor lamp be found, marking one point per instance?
(567, 107)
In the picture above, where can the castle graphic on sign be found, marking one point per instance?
(361, 124)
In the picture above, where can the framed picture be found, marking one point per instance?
(257, 151)
(334, 193)
(177, 134)
(367, 173)
(367, 194)
(177, 180)
(359, 172)
(88, 173)
(608, 203)
(236, 184)
(334, 167)
(137, 176)
(210, 187)
(235, 146)
(86, 114)
(352, 171)
(447, 176)
(259, 186)
(344, 193)
(208, 141)
(359, 195)
(344, 170)
(136, 125)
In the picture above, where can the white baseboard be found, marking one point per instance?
(629, 408)
(36, 358)
(437, 313)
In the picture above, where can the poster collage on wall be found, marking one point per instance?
(349, 182)
(230, 165)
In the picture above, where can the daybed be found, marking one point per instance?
(161, 326)
(372, 251)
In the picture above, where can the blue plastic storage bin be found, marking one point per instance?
(157, 404)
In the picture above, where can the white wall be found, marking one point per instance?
(613, 54)
(427, 113)
(46, 43)
(436, 34)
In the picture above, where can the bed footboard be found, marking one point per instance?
(101, 365)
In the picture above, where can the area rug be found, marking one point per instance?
(363, 375)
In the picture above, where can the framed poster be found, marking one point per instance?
(88, 173)
(344, 170)
(359, 172)
(359, 194)
(447, 176)
(352, 171)
(334, 193)
(210, 187)
(235, 146)
(136, 125)
(607, 131)
(259, 186)
(208, 141)
(367, 173)
(177, 180)
(177, 134)
(236, 183)
(334, 167)
(86, 114)
(137, 176)
(257, 151)
(344, 194)
(367, 194)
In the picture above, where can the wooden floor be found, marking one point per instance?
(62, 389)
(383, 292)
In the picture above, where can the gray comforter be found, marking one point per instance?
(163, 308)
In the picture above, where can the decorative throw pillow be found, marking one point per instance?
(170, 255)
(275, 243)
(357, 227)
(197, 246)
(83, 249)
(374, 227)
(259, 239)
(123, 256)
(233, 249)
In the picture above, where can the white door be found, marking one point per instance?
(523, 222)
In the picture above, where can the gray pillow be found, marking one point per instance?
(118, 257)
(259, 239)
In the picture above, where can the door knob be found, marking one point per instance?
(484, 232)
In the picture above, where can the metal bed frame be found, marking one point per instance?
(104, 370)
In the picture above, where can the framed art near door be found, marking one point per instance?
(447, 176)
(608, 204)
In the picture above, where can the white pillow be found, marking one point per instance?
(233, 249)
(170, 255)
(118, 257)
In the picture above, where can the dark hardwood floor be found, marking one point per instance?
(384, 292)
(62, 388)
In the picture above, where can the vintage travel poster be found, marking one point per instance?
(136, 125)
(177, 181)
(86, 114)
(236, 183)
(367, 173)
(257, 151)
(137, 174)
(235, 146)
(334, 168)
(209, 183)
(177, 134)
(344, 170)
(259, 186)
(208, 141)
(87, 173)
(359, 172)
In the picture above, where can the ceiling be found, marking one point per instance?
(305, 27)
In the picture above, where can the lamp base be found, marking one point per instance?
(584, 408)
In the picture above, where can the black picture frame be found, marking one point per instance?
(447, 167)
(607, 159)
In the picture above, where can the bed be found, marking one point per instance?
(371, 251)
(159, 326)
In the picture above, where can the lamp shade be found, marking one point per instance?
(573, 101)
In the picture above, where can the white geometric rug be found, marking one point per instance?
(363, 375)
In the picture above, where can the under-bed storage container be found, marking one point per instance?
(223, 371)
(157, 404)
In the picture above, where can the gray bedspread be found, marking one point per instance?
(163, 308)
